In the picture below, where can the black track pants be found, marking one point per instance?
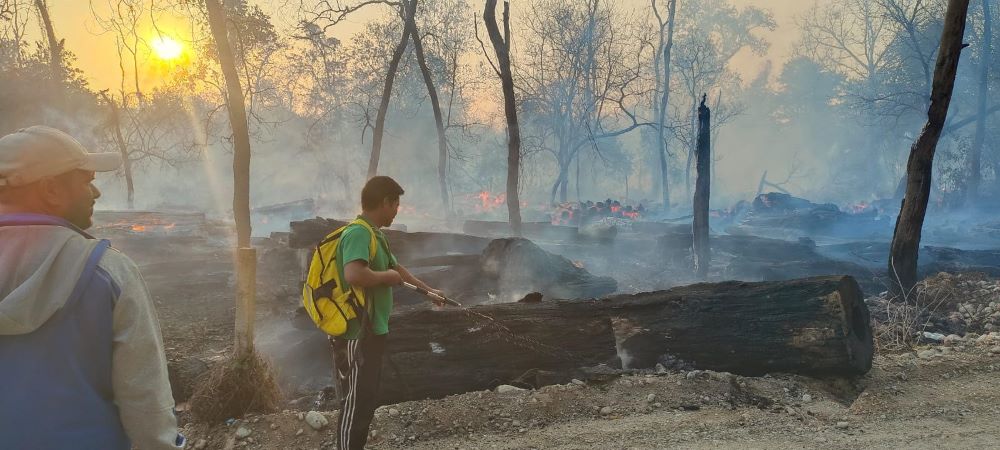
(360, 367)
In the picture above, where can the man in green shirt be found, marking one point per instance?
(358, 354)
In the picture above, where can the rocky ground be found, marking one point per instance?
(940, 395)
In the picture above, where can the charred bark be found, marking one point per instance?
(501, 46)
(816, 326)
(906, 237)
(702, 193)
(432, 354)
(120, 143)
(383, 107)
(418, 48)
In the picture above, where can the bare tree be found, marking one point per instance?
(501, 47)
(661, 100)
(581, 81)
(115, 122)
(390, 77)
(246, 256)
(55, 45)
(976, 152)
(418, 49)
(909, 223)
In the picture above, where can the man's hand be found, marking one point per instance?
(439, 300)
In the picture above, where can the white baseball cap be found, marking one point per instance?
(37, 152)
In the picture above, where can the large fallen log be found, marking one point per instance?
(817, 326)
(432, 353)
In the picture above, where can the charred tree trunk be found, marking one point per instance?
(418, 48)
(383, 107)
(976, 152)
(501, 46)
(702, 192)
(55, 45)
(246, 271)
(906, 237)
(815, 326)
(120, 143)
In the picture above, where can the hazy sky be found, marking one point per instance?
(97, 56)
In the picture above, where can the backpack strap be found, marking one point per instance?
(373, 245)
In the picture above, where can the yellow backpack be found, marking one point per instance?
(326, 301)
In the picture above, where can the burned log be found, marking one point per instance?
(519, 267)
(432, 354)
(816, 326)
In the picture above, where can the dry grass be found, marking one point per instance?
(238, 386)
(898, 321)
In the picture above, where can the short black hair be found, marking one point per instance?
(379, 189)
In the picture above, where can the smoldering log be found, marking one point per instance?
(432, 354)
(519, 266)
(816, 326)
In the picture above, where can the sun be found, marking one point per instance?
(166, 48)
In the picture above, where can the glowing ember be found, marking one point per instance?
(138, 228)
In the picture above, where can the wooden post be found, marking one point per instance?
(700, 246)
(246, 293)
(909, 223)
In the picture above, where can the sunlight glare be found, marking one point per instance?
(166, 48)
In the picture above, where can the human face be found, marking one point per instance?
(389, 211)
(77, 199)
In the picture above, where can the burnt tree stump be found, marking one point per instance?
(702, 193)
(813, 326)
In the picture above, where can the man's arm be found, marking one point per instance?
(358, 274)
(139, 379)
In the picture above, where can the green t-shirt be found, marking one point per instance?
(354, 246)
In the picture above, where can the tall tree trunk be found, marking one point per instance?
(55, 45)
(418, 48)
(702, 192)
(661, 120)
(976, 152)
(501, 46)
(120, 142)
(383, 107)
(906, 237)
(246, 271)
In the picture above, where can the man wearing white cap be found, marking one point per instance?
(81, 357)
